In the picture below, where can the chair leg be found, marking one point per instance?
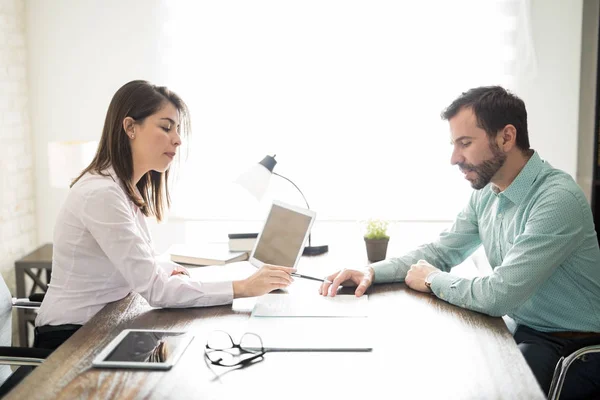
(564, 364)
(553, 386)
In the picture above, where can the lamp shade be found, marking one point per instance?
(256, 178)
(66, 160)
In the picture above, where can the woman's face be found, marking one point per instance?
(155, 140)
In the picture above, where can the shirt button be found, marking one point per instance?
(500, 215)
(442, 295)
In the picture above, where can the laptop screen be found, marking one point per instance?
(282, 238)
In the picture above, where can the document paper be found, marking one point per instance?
(312, 334)
(290, 305)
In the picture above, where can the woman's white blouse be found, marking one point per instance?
(102, 251)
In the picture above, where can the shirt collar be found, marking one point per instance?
(520, 186)
(110, 171)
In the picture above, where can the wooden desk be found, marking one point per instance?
(423, 348)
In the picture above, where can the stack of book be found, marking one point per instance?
(206, 254)
(242, 241)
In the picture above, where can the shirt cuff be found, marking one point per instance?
(385, 271)
(166, 265)
(441, 284)
(218, 293)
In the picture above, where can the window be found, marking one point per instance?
(347, 94)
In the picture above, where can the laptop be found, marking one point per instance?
(282, 238)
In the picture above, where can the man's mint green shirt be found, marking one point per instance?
(539, 238)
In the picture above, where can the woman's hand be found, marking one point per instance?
(265, 280)
(179, 270)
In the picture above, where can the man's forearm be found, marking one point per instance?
(395, 269)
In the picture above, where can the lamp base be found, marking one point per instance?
(315, 250)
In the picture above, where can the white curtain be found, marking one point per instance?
(347, 94)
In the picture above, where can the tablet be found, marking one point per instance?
(281, 241)
(143, 349)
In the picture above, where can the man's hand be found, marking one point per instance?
(415, 278)
(348, 277)
(263, 281)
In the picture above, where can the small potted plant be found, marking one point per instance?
(376, 239)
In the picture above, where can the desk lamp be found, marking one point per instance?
(256, 179)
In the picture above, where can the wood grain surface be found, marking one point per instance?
(423, 347)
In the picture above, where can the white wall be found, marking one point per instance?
(587, 97)
(551, 90)
(18, 234)
(81, 51)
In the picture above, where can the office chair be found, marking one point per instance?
(25, 358)
(34, 301)
(569, 354)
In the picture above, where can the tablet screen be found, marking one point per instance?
(280, 242)
(139, 347)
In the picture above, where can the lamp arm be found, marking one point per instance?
(281, 176)
(307, 206)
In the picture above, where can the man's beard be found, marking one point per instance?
(487, 169)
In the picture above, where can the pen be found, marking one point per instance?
(310, 277)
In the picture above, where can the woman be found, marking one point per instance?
(102, 246)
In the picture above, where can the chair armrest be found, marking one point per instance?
(23, 355)
(25, 303)
(39, 297)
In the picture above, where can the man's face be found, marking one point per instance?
(478, 157)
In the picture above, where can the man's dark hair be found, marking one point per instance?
(494, 107)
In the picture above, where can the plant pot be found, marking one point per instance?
(376, 249)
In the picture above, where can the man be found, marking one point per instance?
(538, 233)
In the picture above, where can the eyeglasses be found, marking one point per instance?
(221, 350)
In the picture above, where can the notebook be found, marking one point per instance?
(207, 254)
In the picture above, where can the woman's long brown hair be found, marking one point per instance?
(136, 99)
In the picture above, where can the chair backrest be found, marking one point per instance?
(569, 354)
(5, 325)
